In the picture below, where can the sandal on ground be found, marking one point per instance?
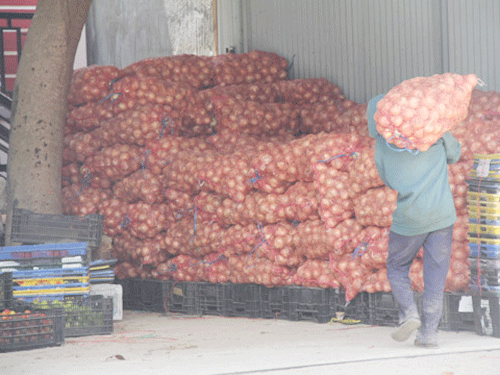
(404, 330)
(421, 344)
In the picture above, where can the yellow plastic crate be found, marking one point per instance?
(484, 208)
(53, 291)
(52, 281)
(474, 197)
(484, 229)
(483, 216)
(485, 241)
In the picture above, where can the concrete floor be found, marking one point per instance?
(154, 343)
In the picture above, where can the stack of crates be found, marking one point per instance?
(48, 271)
(483, 203)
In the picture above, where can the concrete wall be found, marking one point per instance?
(121, 32)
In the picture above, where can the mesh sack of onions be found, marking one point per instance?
(142, 251)
(298, 203)
(114, 162)
(165, 149)
(181, 173)
(242, 239)
(227, 174)
(316, 273)
(180, 203)
(247, 269)
(190, 69)
(256, 92)
(276, 165)
(343, 238)
(147, 220)
(335, 205)
(375, 206)
(308, 91)
(125, 270)
(418, 111)
(227, 141)
(115, 217)
(71, 174)
(377, 282)
(184, 268)
(373, 243)
(140, 124)
(88, 116)
(461, 228)
(251, 67)
(321, 117)
(486, 135)
(245, 116)
(311, 240)
(363, 172)
(84, 144)
(69, 155)
(457, 174)
(130, 91)
(486, 103)
(279, 245)
(141, 185)
(224, 210)
(351, 273)
(81, 200)
(354, 119)
(208, 203)
(179, 238)
(216, 268)
(458, 278)
(91, 83)
(334, 150)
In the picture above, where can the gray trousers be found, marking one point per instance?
(437, 251)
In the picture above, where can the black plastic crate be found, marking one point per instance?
(383, 309)
(274, 302)
(5, 290)
(84, 316)
(486, 310)
(181, 297)
(244, 300)
(143, 294)
(453, 319)
(311, 304)
(31, 328)
(212, 298)
(357, 308)
(34, 228)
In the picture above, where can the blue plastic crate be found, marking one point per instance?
(484, 251)
(56, 250)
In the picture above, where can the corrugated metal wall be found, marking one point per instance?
(121, 32)
(367, 46)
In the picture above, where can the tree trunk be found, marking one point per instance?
(39, 107)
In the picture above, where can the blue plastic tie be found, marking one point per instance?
(408, 144)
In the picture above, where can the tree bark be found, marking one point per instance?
(39, 107)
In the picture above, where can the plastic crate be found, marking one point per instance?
(486, 312)
(311, 304)
(84, 316)
(484, 229)
(212, 298)
(357, 308)
(37, 329)
(46, 256)
(5, 290)
(244, 300)
(483, 251)
(143, 294)
(274, 303)
(383, 309)
(181, 297)
(453, 319)
(35, 228)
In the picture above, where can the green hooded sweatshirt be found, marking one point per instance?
(425, 202)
